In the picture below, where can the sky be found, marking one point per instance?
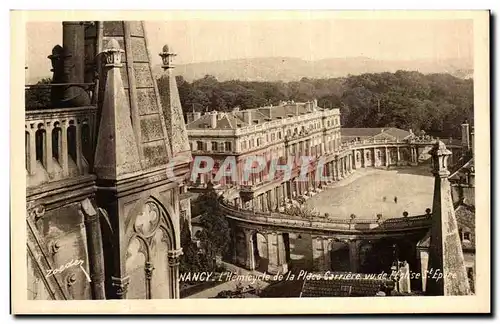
(308, 39)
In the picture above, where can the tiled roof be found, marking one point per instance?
(235, 119)
(224, 121)
(344, 287)
(465, 216)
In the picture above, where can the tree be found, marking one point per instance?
(215, 236)
(38, 97)
(190, 260)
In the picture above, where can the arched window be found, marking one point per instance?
(56, 142)
(71, 138)
(40, 144)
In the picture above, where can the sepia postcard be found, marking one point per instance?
(244, 162)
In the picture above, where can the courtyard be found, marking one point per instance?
(362, 194)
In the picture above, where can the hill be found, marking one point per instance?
(293, 69)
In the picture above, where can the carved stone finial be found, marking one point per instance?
(440, 155)
(167, 56)
(113, 54)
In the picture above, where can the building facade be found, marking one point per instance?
(103, 217)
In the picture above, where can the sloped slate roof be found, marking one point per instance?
(365, 133)
(224, 121)
(465, 216)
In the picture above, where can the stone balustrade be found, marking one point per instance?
(331, 224)
(58, 143)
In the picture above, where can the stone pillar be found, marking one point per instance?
(363, 161)
(47, 157)
(32, 148)
(321, 253)
(78, 141)
(353, 255)
(95, 249)
(387, 157)
(63, 156)
(250, 257)
(276, 254)
(173, 263)
(399, 155)
(148, 271)
(337, 167)
(445, 249)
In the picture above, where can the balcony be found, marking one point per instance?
(59, 138)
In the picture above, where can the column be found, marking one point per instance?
(250, 257)
(353, 255)
(173, 262)
(78, 141)
(95, 249)
(399, 155)
(326, 254)
(32, 148)
(318, 253)
(63, 155)
(272, 253)
(263, 203)
(387, 157)
(363, 160)
(277, 196)
(47, 156)
(337, 167)
(148, 271)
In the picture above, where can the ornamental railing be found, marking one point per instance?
(320, 223)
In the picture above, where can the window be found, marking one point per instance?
(467, 236)
(214, 146)
(279, 135)
(227, 146)
(273, 137)
(199, 145)
(259, 141)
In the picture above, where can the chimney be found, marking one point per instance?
(465, 136)
(213, 119)
(247, 116)
(68, 64)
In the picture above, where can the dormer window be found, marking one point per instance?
(256, 122)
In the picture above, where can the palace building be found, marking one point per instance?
(98, 194)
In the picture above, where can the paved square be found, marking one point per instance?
(363, 193)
